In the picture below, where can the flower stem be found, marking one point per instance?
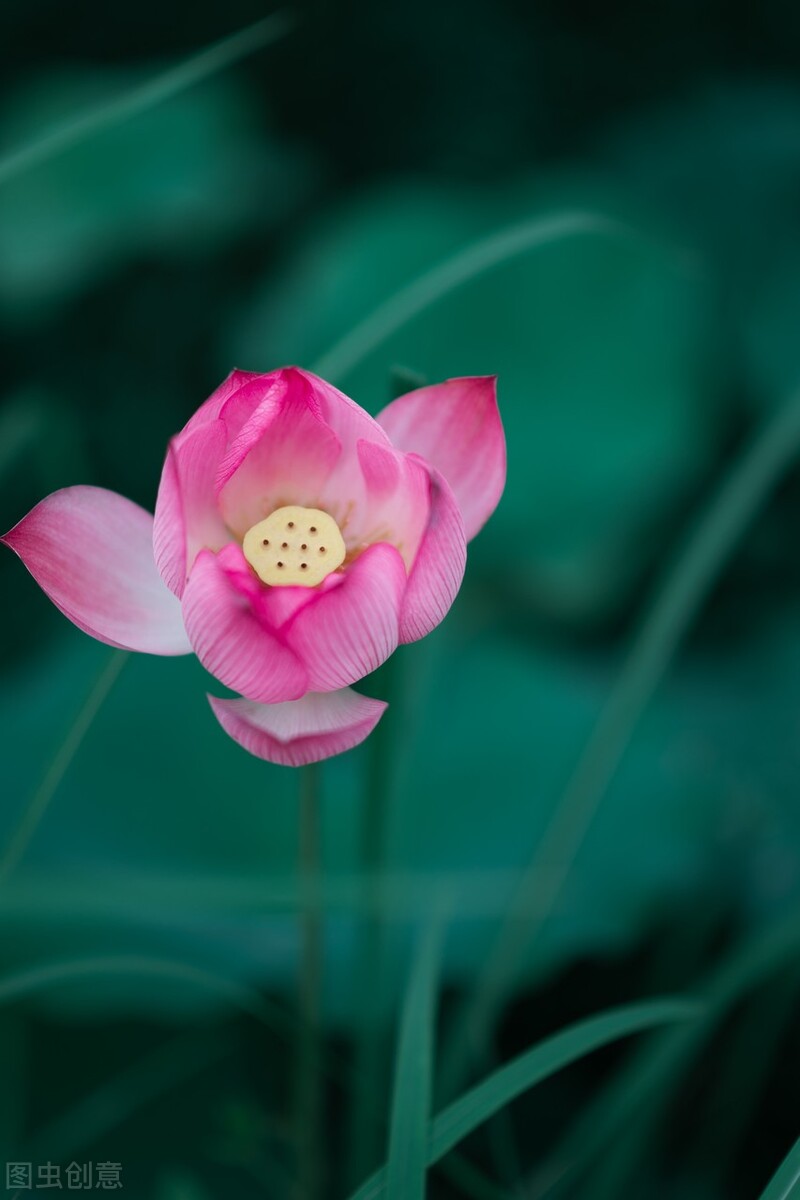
(371, 1052)
(308, 1093)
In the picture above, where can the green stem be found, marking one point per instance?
(371, 1056)
(308, 1097)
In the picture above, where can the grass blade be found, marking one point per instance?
(407, 1166)
(679, 595)
(785, 1183)
(479, 1104)
(29, 981)
(645, 1086)
(474, 260)
(168, 83)
(36, 808)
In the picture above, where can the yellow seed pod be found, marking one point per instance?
(294, 546)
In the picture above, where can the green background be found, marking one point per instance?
(646, 332)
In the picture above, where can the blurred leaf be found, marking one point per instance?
(722, 165)
(164, 838)
(41, 447)
(173, 180)
(604, 347)
(154, 91)
(175, 1185)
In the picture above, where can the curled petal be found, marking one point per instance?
(232, 643)
(300, 731)
(350, 629)
(438, 567)
(284, 452)
(91, 551)
(218, 400)
(455, 426)
(187, 519)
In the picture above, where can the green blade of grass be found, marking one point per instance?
(479, 1104)
(407, 1161)
(785, 1183)
(168, 83)
(114, 1101)
(31, 980)
(636, 1097)
(678, 597)
(38, 804)
(474, 260)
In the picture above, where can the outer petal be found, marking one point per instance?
(456, 427)
(349, 630)
(232, 643)
(301, 731)
(187, 518)
(439, 566)
(91, 551)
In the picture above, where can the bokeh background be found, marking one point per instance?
(644, 331)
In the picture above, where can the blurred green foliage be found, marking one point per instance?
(266, 216)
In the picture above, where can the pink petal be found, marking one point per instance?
(91, 551)
(349, 420)
(283, 454)
(273, 606)
(349, 630)
(300, 731)
(396, 499)
(456, 427)
(187, 518)
(438, 567)
(343, 493)
(230, 640)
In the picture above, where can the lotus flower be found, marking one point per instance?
(296, 542)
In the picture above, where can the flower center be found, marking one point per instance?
(294, 545)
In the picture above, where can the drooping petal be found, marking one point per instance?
(438, 567)
(396, 499)
(283, 454)
(349, 630)
(455, 426)
(187, 518)
(300, 731)
(230, 640)
(91, 551)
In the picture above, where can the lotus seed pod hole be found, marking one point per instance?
(294, 546)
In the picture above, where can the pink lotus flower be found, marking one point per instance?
(296, 542)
